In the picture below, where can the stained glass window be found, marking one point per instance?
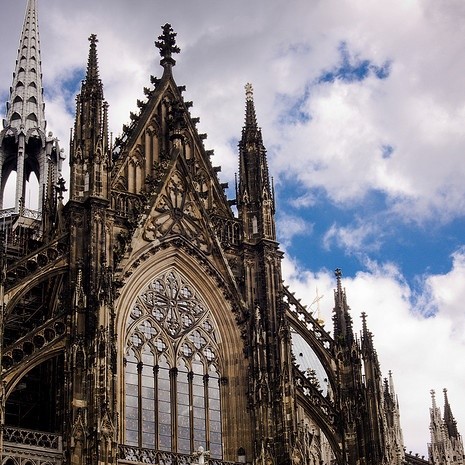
(172, 389)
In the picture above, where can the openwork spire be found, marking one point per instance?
(29, 150)
(166, 43)
(25, 109)
(253, 153)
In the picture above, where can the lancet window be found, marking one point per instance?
(172, 378)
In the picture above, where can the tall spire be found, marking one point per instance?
(24, 146)
(255, 195)
(26, 107)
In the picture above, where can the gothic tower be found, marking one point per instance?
(147, 322)
(268, 335)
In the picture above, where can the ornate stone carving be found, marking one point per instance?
(169, 314)
(177, 214)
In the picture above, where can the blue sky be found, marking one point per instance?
(362, 109)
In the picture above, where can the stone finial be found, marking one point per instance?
(248, 92)
(166, 43)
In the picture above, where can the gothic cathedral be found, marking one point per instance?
(144, 321)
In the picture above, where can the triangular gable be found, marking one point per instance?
(149, 141)
(163, 182)
(178, 212)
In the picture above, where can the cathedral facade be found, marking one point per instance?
(145, 321)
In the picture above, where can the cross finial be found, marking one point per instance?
(166, 43)
(93, 39)
(338, 274)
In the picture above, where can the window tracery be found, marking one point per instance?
(172, 389)
(177, 214)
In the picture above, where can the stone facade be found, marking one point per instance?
(145, 322)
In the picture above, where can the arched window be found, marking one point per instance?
(172, 379)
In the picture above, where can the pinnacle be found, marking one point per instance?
(250, 116)
(338, 274)
(449, 417)
(92, 63)
(433, 398)
(339, 293)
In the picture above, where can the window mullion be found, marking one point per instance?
(139, 403)
(174, 408)
(190, 377)
(156, 370)
(207, 413)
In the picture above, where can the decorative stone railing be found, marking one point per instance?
(315, 396)
(307, 320)
(7, 212)
(28, 438)
(321, 408)
(34, 447)
(26, 212)
(135, 454)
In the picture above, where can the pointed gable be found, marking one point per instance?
(161, 136)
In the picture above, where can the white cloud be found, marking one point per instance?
(359, 238)
(418, 110)
(289, 226)
(423, 353)
(447, 292)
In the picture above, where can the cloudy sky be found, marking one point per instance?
(362, 107)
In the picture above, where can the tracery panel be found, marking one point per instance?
(172, 366)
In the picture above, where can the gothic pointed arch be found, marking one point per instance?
(181, 337)
(31, 403)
